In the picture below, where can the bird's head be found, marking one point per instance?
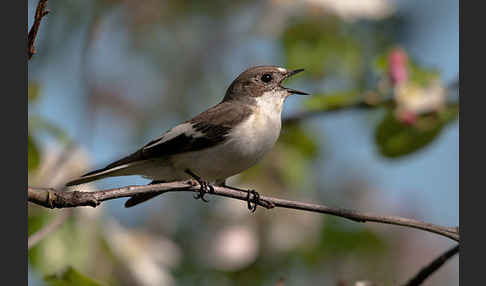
(261, 81)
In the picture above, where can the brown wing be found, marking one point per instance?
(203, 131)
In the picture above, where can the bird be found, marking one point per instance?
(220, 142)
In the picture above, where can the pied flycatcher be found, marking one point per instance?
(220, 142)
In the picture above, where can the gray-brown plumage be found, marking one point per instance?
(219, 142)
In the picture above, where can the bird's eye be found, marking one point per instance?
(266, 77)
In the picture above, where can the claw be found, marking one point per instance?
(249, 199)
(256, 199)
(204, 189)
(200, 196)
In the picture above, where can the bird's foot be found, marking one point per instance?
(255, 199)
(205, 188)
(249, 199)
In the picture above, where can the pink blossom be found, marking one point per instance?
(398, 66)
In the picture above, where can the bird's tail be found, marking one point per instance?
(101, 173)
(138, 199)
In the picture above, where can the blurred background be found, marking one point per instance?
(379, 134)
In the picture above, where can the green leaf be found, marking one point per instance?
(33, 92)
(336, 237)
(296, 137)
(381, 62)
(395, 139)
(56, 252)
(36, 221)
(339, 238)
(450, 113)
(70, 277)
(421, 75)
(33, 154)
(321, 46)
(293, 168)
(330, 101)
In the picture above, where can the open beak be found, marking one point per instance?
(290, 90)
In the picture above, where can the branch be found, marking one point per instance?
(358, 105)
(432, 267)
(40, 12)
(362, 103)
(55, 199)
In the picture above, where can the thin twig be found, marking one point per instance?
(358, 105)
(55, 199)
(49, 228)
(40, 12)
(361, 103)
(425, 272)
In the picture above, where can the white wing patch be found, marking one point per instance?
(184, 128)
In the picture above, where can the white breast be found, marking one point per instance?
(260, 131)
(245, 145)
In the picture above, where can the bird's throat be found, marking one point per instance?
(271, 103)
